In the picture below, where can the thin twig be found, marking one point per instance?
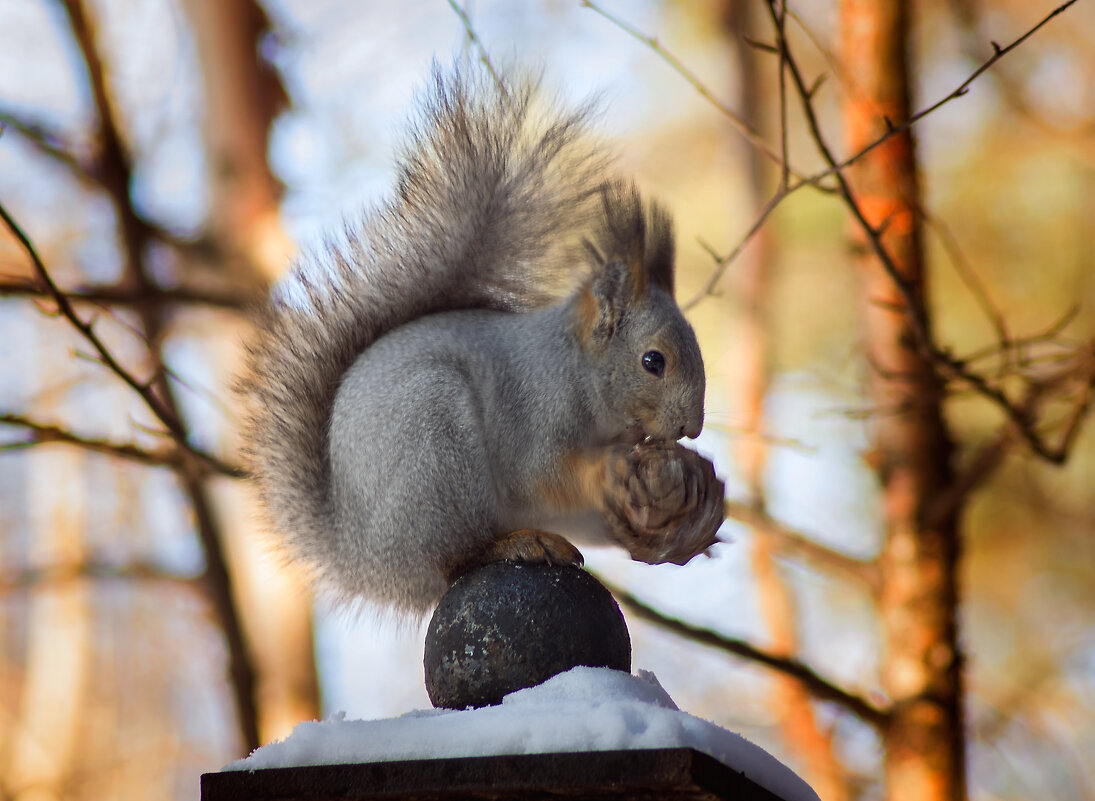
(45, 433)
(833, 167)
(784, 144)
(721, 263)
(87, 329)
(484, 57)
(1064, 130)
(913, 304)
(49, 143)
(743, 127)
(972, 281)
(998, 53)
(97, 174)
(819, 687)
(1021, 345)
(103, 354)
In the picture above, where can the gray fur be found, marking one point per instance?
(403, 411)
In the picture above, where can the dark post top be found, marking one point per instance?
(669, 774)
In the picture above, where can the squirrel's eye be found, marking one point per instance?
(654, 362)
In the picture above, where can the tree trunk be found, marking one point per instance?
(912, 449)
(243, 95)
(116, 170)
(44, 742)
(751, 361)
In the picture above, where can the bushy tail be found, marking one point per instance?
(488, 199)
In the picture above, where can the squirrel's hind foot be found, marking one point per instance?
(525, 545)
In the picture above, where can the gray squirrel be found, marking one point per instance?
(428, 397)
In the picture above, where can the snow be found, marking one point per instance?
(584, 709)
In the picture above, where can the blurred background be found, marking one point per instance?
(167, 158)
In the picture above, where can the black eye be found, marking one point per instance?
(654, 362)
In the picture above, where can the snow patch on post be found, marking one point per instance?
(582, 710)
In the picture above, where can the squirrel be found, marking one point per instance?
(426, 397)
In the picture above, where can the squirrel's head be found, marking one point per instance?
(649, 376)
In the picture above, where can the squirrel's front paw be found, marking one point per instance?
(663, 502)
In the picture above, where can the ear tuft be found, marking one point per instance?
(639, 238)
(660, 249)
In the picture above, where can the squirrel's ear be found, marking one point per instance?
(603, 302)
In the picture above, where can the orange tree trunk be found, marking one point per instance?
(751, 360)
(243, 95)
(924, 742)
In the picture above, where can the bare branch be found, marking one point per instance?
(981, 467)
(721, 263)
(86, 328)
(764, 47)
(49, 143)
(781, 39)
(44, 433)
(893, 130)
(121, 296)
(15, 581)
(816, 685)
(1015, 353)
(807, 93)
(915, 312)
(796, 543)
(173, 457)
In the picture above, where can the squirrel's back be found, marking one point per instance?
(487, 201)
